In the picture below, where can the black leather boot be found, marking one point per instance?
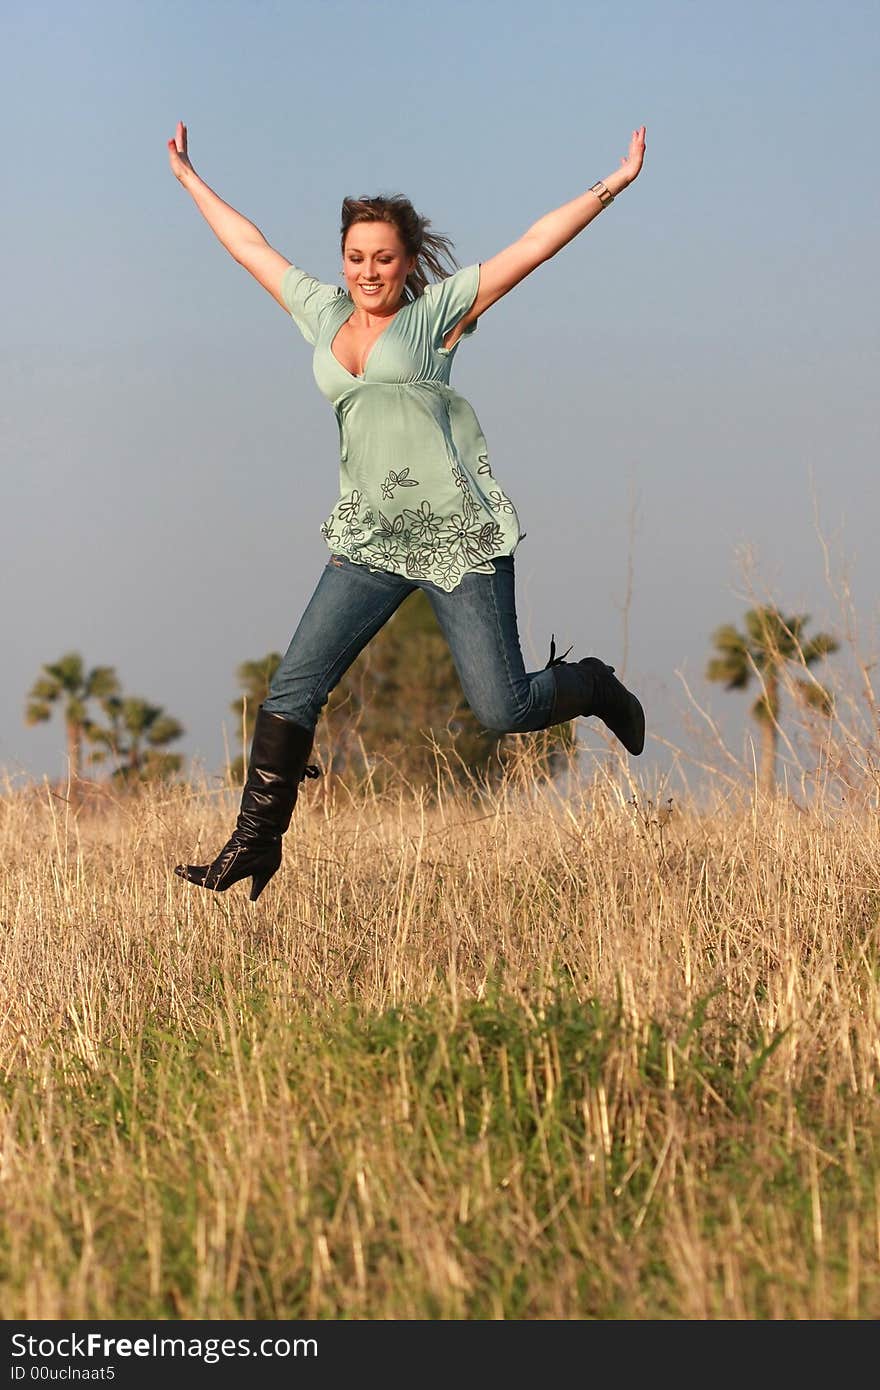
(588, 687)
(277, 766)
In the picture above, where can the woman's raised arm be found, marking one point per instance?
(550, 233)
(244, 242)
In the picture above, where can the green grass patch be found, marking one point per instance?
(527, 1154)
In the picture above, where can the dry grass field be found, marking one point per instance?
(518, 1055)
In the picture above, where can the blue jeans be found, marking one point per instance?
(478, 620)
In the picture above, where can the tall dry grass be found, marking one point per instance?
(521, 1055)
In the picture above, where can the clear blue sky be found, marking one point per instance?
(708, 346)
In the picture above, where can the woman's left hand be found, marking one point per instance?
(631, 163)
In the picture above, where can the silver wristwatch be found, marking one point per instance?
(602, 193)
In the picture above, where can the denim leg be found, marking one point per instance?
(349, 606)
(478, 620)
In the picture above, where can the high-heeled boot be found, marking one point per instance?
(589, 687)
(278, 764)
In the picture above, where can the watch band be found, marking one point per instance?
(602, 193)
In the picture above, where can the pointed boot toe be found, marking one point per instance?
(631, 727)
(589, 687)
(193, 873)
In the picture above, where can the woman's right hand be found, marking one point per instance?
(177, 155)
(631, 164)
(244, 242)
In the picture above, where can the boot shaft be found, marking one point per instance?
(278, 763)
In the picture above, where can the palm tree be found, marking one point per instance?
(66, 683)
(136, 736)
(770, 641)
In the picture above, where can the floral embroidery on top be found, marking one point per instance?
(499, 502)
(423, 524)
(347, 509)
(401, 479)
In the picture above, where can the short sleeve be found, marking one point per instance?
(306, 299)
(448, 301)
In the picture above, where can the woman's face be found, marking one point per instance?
(374, 256)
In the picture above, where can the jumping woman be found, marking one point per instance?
(419, 507)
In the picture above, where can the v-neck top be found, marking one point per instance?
(417, 493)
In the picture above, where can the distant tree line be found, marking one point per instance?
(400, 705)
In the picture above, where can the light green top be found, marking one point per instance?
(418, 496)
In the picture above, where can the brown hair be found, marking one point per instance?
(430, 248)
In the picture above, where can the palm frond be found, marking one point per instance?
(727, 638)
(820, 646)
(816, 696)
(45, 689)
(67, 671)
(163, 730)
(733, 671)
(102, 681)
